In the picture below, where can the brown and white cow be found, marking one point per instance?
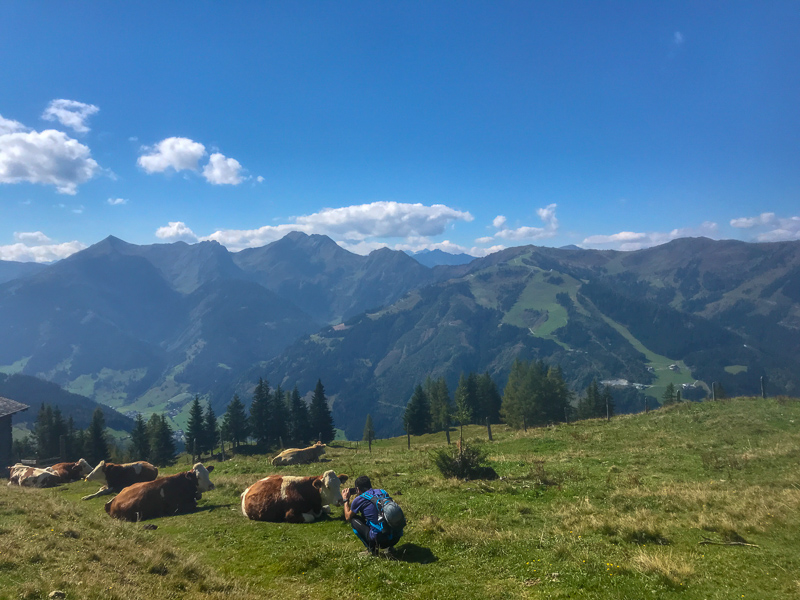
(161, 497)
(72, 471)
(299, 456)
(117, 477)
(26, 476)
(280, 498)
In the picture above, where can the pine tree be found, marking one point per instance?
(140, 440)
(162, 444)
(210, 430)
(591, 406)
(96, 444)
(278, 417)
(299, 420)
(320, 415)
(369, 431)
(439, 398)
(607, 402)
(194, 429)
(669, 395)
(234, 422)
(58, 428)
(416, 419)
(260, 414)
(488, 398)
(42, 431)
(468, 409)
(519, 403)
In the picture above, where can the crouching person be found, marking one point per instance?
(375, 518)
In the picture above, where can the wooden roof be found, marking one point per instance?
(9, 407)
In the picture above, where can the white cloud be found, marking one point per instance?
(351, 225)
(10, 126)
(178, 153)
(260, 179)
(176, 231)
(78, 210)
(32, 237)
(631, 240)
(546, 214)
(770, 227)
(70, 113)
(48, 157)
(786, 230)
(222, 171)
(116, 201)
(749, 222)
(677, 38)
(44, 252)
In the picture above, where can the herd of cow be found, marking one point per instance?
(141, 494)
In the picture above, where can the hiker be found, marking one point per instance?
(368, 523)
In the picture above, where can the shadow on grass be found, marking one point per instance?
(212, 507)
(414, 554)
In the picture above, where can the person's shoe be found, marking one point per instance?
(366, 553)
(389, 553)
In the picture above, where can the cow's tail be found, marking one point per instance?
(108, 506)
(276, 461)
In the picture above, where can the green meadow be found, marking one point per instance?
(693, 501)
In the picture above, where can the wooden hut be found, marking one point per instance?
(7, 408)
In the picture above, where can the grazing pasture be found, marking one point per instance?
(691, 501)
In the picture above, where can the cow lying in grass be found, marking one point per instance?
(65, 472)
(116, 478)
(162, 497)
(281, 498)
(26, 476)
(299, 456)
(72, 471)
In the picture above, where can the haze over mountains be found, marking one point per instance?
(147, 327)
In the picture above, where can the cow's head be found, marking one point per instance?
(98, 473)
(319, 449)
(203, 482)
(85, 467)
(330, 487)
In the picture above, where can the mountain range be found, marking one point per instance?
(145, 328)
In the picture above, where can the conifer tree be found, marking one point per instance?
(260, 414)
(210, 430)
(194, 428)
(466, 399)
(589, 405)
(42, 431)
(416, 419)
(369, 431)
(669, 395)
(278, 421)
(439, 398)
(607, 399)
(489, 398)
(320, 416)
(234, 422)
(299, 420)
(58, 428)
(162, 444)
(140, 440)
(96, 444)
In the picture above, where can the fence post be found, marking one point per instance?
(447, 434)
(408, 438)
(369, 438)
(194, 449)
(280, 439)
(489, 428)
(222, 446)
(524, 424)
(646, 410)
(608, 413)
(763, 395)
(566, 415)
(714, 390)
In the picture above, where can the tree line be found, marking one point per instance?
(536, 394)
(151, 440)
(278, 418)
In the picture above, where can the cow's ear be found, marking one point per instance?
(210, 468)
(343, 478)
(318, 484)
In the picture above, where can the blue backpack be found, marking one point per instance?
(391, 519)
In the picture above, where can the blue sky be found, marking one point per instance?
(465, 126)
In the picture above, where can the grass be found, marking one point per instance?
(588, 510)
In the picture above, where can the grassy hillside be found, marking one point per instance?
(589, 510)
